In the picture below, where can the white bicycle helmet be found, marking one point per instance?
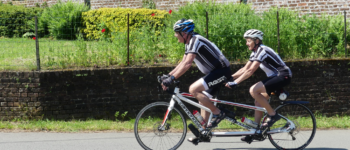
(253, 33)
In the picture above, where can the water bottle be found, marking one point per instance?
(199, 117)
(249, 122)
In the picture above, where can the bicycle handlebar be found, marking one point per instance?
(176, 83)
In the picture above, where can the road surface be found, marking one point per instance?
(324, 140)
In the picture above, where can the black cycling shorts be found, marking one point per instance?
(275, 83)
(215, 79)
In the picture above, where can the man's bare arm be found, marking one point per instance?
(187, 63)
(242, 70)
(249, 72)
(178, 66)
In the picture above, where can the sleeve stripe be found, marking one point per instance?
(193, 41)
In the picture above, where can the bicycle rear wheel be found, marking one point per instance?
(148, 133)
(305, 130)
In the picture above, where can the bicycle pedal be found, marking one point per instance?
(194, 141)
(248, 139)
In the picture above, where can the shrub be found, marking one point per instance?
(15, 19)
(308, 36)
(227, 24)
(149, 4)
(115, 20)
(62, 20)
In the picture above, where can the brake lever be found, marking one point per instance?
(160, 88)
(159, 79)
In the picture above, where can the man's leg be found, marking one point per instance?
(259, 114)
(256, 92)
(204, 114)
(196, 90)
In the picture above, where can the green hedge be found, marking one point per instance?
(62, 20)
(115, 20)
(14, 20)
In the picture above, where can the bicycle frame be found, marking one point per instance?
(179, 97)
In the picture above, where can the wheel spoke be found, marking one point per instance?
(147, 125)
(300, 116)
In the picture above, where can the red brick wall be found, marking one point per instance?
(31, 3)
(95, 4)
(160, 4)
(304, 6)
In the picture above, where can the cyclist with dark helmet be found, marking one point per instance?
(278, 75)
(210, 61)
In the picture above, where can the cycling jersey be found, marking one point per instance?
(271, 62)
(208, 55)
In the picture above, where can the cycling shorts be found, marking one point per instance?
(214, 80)
(275, 83)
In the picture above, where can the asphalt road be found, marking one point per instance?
(324, 140)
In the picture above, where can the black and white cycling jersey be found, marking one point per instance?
(271, 62)
(208, 55)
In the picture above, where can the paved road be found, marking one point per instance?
(324, 140)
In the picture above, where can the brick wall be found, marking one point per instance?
(82, 94)
(330, 7)
(32, 3)
(95, 4)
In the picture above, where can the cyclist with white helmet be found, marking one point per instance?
(209, 60)
(278, 75)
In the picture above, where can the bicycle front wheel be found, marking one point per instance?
(149, 133)
(305, 130)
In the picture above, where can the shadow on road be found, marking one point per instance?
(321, 148)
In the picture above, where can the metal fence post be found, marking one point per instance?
(345, 43)
(128, 41)
(37, 44)
(278, 34)
(207, 25)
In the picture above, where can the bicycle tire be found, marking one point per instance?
(303, 136)
(150, 118)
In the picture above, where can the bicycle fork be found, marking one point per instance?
(170, 108)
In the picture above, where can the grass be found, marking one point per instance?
(301, 37)
(67, 126)
(20, 54)
(323, 122)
